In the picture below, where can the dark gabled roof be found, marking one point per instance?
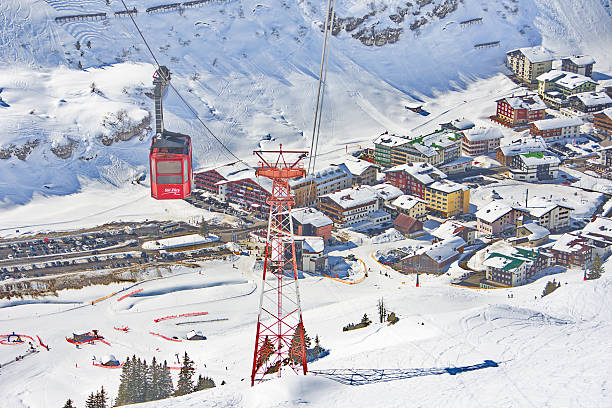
(405, 222)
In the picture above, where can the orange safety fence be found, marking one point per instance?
(164, 337)
(365, 272)
(181, 315)
(128, 295)
(103, 298)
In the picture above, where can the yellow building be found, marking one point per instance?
(304, 191)
(529, 63)
(410, 205)
(447, 198)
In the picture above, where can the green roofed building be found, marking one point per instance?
(514, 266)
(534, 166)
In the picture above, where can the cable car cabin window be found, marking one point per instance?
(185, 171)
(169, 167)
(169, 179)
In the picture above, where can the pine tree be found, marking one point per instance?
(80, 65)
(166, 388)
(382, 310)
(295, 350)
(152, 392)
(204, 383)
(365, 320)
(123, 395)
(596, 268)
(203, 228)
(91, 401)
(68, 404)
(77, 45)
(185, 382)
(101, 398)
(88, 44)
(266, 350)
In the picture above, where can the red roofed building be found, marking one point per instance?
(571, 250)
(407, 225)
(520, 110)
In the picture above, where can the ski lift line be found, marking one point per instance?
(323, 54)
(324, 85)
(174, 88)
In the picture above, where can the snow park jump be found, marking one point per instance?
(107, 362)
(181, 315)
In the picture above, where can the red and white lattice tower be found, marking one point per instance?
(279, 342)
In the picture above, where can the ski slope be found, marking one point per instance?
(550, 351)
(250, 69)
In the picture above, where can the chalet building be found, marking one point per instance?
(579, 64)
(411, 206)
(461, 165)
(326, 181)
(386, 193)
(530, 62)
(363, 172)
(412, 178)
(452, 228)
(602, 122)
(310, 254)
(557, 128)
(457, 125)
(407, 225)
(571, 250)
(311, 222)
(236, 183)
(520, 110)
(589, 102)
(495, 218)
(349, 206)
(248, 191)
(514, 266)
(549, 215)
(531, 234)
(479, 141)
(534, 166)
(434, 148)
(524, 145)
(208, 179)
(447, 198)
(433, 259)
(599, 235)
(565, 83)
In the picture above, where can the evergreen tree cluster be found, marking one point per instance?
(365, 322)
(97, 400)
(596, 268)
(184, 385)
(141, 382)
(550, 287)
(382, 310)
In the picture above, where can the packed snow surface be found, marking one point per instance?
(537, 344)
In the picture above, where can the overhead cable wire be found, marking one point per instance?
(193, 111)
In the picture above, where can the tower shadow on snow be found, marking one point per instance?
(363, 376)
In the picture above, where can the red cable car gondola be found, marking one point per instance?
(170, 155)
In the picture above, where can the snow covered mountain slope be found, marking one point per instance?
(250, 69)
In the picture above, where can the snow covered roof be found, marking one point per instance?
(536, 54)
(571, 80)
(406, 202)
(538, 207)
(311, 245)
(538, 159)
(232, 169)
(194, 333)
(449, 229)
(357, 167)
(505, 262)
(556, 123)
(529, 102)
(248, 174)
(581, 60)
(447, 186)
(600, 229)
(479, 134)
(458, 124)
(593, 98)
(570, 243)
(311, 216)
(537, 231)
(607, 112)
(389, 140)
(493, 211)
(352, 197)
(386, 191)
(331, 173)
(442, 251)
(524, 145)
(423, 172)
(551, 75)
